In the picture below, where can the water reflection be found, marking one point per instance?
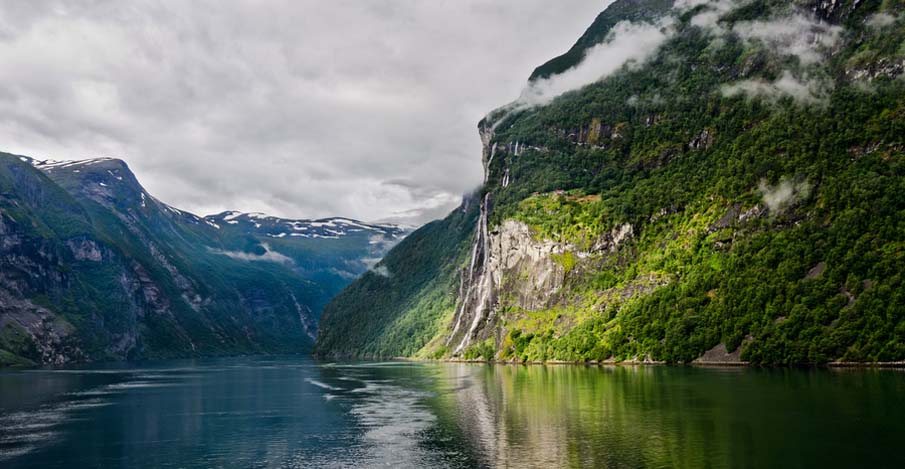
(676, 417)
(291, 412)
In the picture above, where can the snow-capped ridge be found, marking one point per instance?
(323, 228)
(50, 164)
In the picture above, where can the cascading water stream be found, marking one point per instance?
(476, 289)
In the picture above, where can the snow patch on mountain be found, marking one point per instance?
(325, 228)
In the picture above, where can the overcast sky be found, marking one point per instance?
(298, 108)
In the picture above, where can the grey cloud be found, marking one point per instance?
(298, 108)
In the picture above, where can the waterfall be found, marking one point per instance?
(476, 288)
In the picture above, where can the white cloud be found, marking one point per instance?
(627, 44)
(268, 256)
(708, 18)
(783, 195)
(382, 271)
(805, 90)
(796, 35)
(881, 20)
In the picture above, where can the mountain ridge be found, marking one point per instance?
(92, 267)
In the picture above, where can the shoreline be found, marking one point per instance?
(695, 364)
(606, 363)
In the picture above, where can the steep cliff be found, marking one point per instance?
(730, 188)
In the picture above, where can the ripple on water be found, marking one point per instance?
(322, 385)
(22, 432)
(393, 418)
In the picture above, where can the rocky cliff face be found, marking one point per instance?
(508, 262)
(510, 268)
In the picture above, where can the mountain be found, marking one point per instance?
(330, 252)
(726, 187)
(394, 309)
(92, 267)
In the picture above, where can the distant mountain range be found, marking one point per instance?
(92, 267)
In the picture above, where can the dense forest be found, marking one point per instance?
(753, 165)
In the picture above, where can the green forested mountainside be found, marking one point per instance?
(398, 307)
(740, 191)
(94, 268)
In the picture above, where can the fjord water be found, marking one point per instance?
(293, 412)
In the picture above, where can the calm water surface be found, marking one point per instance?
(292, 412)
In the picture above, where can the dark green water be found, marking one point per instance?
(291, 412)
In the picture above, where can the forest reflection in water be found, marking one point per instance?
(637, 416)
(294, 412)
